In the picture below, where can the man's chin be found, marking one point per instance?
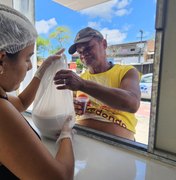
(87, 63)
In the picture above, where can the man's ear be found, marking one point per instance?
(105, 43)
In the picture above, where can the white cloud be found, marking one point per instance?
(114, 36)
(124, 3)
(95, 25)
(123, 12)
(126, 27)
(44, 26)
(103, 10)
(109, 9)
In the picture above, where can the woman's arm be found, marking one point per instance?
(23, 153)
(66, 157)
(26, 97)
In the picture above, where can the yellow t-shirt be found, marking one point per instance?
(100, 111)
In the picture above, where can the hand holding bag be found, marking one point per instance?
(51, 106)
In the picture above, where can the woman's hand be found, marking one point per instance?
(41, 70)
(67, 131)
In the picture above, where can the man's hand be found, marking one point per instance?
(70, 80)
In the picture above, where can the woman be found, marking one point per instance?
(22, 154)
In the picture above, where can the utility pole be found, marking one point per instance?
(106, 37)
(141, 31)
(140, 46)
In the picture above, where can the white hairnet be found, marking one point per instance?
(16, 31)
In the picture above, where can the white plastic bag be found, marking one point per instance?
(52, 106)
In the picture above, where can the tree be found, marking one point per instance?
(79, 66)
(55, 41)
(42, 46)
(58, 38)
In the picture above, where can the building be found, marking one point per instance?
(131, 53)
(140, 54)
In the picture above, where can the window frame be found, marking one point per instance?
(150, 149)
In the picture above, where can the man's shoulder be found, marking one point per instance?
(123, 67)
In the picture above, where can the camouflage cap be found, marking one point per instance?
(83, 36)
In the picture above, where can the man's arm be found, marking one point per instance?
(125, 98)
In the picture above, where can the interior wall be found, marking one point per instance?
(27, 8)
(7, 2)
(166, 117)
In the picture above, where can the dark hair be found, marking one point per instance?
(10, 56)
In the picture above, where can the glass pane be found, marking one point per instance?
(129, 30)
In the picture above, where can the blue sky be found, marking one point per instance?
(118, 20)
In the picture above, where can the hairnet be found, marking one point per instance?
(16, 31)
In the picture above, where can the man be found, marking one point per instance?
(113, 90)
